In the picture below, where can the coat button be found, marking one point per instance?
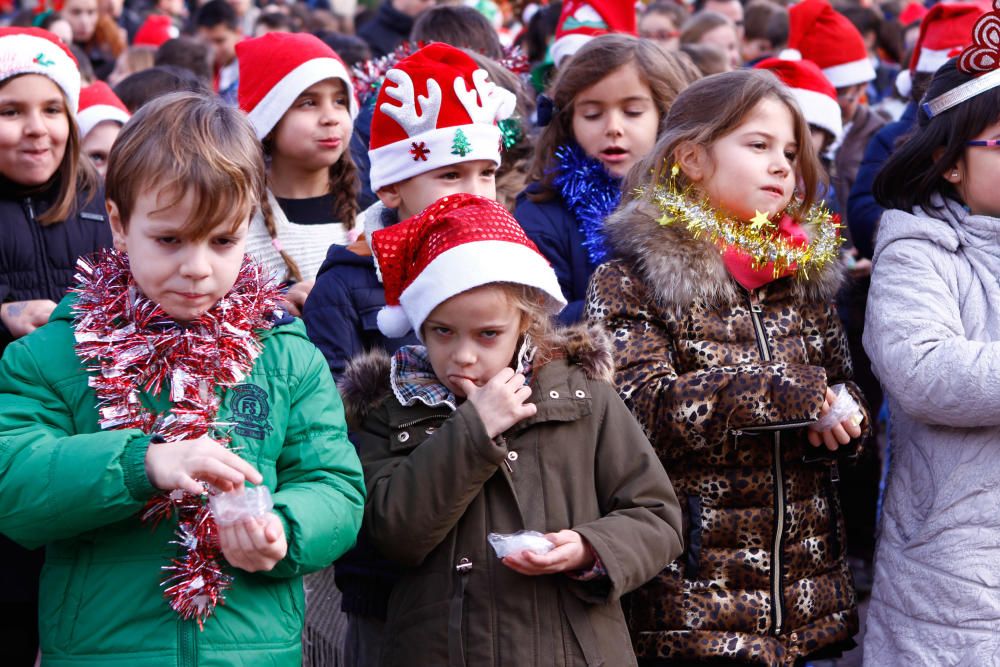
(553, 394)
(429, 430)
(580, 393)
(403, 437)
(511, 456)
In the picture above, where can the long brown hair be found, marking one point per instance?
(76, 176)
(664, 73)
(730, 97)
(344, 186)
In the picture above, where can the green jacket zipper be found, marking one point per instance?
(187, 644)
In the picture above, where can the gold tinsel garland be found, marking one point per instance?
(757, 238)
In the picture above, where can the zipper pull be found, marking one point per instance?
(834, 472)
(31, 209)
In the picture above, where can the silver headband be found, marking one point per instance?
(966, 91)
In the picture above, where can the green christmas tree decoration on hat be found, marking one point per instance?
(460, 145)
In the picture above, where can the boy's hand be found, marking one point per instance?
(23, 317)
(296, 296)
(254, 545)
(501, 402)
(571, 553)
(840, 434)
(180, 465)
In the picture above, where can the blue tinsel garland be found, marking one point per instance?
(590, 192)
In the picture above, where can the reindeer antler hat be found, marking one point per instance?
(436, 108)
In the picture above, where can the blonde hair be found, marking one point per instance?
(732, 97)
(185, 142)
(537, 321)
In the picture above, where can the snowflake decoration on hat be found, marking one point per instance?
(419, 151)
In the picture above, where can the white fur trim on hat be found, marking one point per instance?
(930, 60)
(19, 54)
(463, 268)
(820, 110)
(273, 106)
(93, 116)
(396, 162)
(849, 74)
(904, 83)
(568, 45)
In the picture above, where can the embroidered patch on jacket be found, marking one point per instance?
(250, 408)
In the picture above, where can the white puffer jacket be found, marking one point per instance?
(933, 334)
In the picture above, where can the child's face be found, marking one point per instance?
(34, 129)
(976, 179)
(410, 197)
(661, 29)
(185, 277)
(849, 99)
(755, 48)
(472, 335)
(82, 16)
(97, 144)
(316, 129)
(724, 37)
(615, 120)
(752, 168)
(223, 42)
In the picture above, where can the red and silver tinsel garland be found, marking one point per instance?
(133, 347)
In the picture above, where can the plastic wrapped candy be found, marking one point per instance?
(522, 540)
(843, 409)
(243, 503)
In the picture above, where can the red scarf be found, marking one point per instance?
(740, 265)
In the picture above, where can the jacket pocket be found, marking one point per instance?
(61, 595)
(693, 554)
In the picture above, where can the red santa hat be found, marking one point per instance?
(582, 20)
(98, 103)
(37, 51)
(913, 12)
(458, 243)
(155, 30)
(821, 34)
(276, 67)
(812, 90)
(436, 108)
(944, 31)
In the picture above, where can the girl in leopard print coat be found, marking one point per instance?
(727, 364)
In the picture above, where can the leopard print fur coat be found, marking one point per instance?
(724, 382)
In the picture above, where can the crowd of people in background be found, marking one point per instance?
(666, 241)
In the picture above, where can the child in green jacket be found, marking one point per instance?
(167, 375)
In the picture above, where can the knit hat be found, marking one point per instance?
(155, 30)
(276, 67)
(815, 94)
(436, 108)
(456, 244)
(582, 20)
(945, 29)
(99, 103)
(823, 35)
(37, 51)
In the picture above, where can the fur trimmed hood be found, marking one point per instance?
(365, 382)
(681, 269)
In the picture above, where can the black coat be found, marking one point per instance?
(38, 261)
(387, 30)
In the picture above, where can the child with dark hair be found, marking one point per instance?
(464, 27)
(661, 21)
(933, 336)
(765, 31)
(218, 25)
(187, 53)
(137, 89)
(607, 106)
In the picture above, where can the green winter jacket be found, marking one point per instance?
(77, 490)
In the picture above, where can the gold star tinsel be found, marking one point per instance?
(764, 246)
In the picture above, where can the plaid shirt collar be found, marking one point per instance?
(412, 379)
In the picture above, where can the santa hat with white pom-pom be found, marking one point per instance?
(815, 94)
(458, 243)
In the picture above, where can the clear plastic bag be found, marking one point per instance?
(243, 503)
(843, 409)
(522, 540)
